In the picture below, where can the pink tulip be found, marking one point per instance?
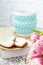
(35, 37)
(41, 38)
(37, 51)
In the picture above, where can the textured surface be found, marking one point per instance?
(24, 24)
(13, 61)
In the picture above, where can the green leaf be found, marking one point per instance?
(37, 31)
(41, 33)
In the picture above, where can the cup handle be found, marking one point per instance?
(11, 20)
(12, 23)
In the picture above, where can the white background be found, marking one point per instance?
(7, 7)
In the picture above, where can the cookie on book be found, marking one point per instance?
(20, 42)
(7, 42)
